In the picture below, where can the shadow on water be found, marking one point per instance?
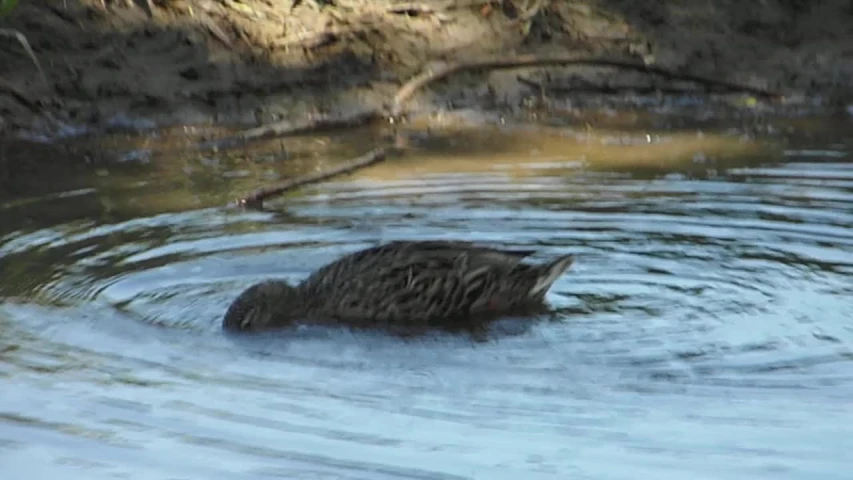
(711, 294)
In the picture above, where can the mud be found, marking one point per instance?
(138, 64)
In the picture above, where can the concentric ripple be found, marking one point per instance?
(707, 321)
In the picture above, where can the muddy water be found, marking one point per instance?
(705, 331)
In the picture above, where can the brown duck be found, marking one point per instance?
(403, 284)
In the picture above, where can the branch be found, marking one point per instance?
(8, 32)
(442, 71)
(287, 127)
(256, 199)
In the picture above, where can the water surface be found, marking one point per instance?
(705, 330)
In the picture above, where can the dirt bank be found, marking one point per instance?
(140, 63)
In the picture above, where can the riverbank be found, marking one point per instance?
(115, 64)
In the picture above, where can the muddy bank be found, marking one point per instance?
(113, 63)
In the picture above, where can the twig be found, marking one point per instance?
(442, 71)
(324, 37)
(256, 199)
(315, 40)
(214, 29)
(8, 32)
(287, 127)
(531, 12)
(604, 89)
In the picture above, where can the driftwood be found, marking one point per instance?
(397, 109)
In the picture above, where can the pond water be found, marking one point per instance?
(705, 330)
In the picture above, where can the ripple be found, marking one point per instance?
(718, 304)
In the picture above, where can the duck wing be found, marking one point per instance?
(476, 254)
(427, 281)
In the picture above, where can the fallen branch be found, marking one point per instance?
(256, 199)
(605, 89)
(502, 63)
(288, 127)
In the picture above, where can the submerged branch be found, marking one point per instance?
(256, 199)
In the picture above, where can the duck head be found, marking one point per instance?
(268, 304)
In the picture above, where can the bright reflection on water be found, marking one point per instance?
(705, 332)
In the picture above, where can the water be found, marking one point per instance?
(705, 330)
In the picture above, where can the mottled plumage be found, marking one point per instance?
(403, 284)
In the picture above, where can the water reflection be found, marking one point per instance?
(705, 323)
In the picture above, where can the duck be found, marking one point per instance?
(405, 286)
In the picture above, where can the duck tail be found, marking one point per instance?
(549, 273)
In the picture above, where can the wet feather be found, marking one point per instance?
(403, 284)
